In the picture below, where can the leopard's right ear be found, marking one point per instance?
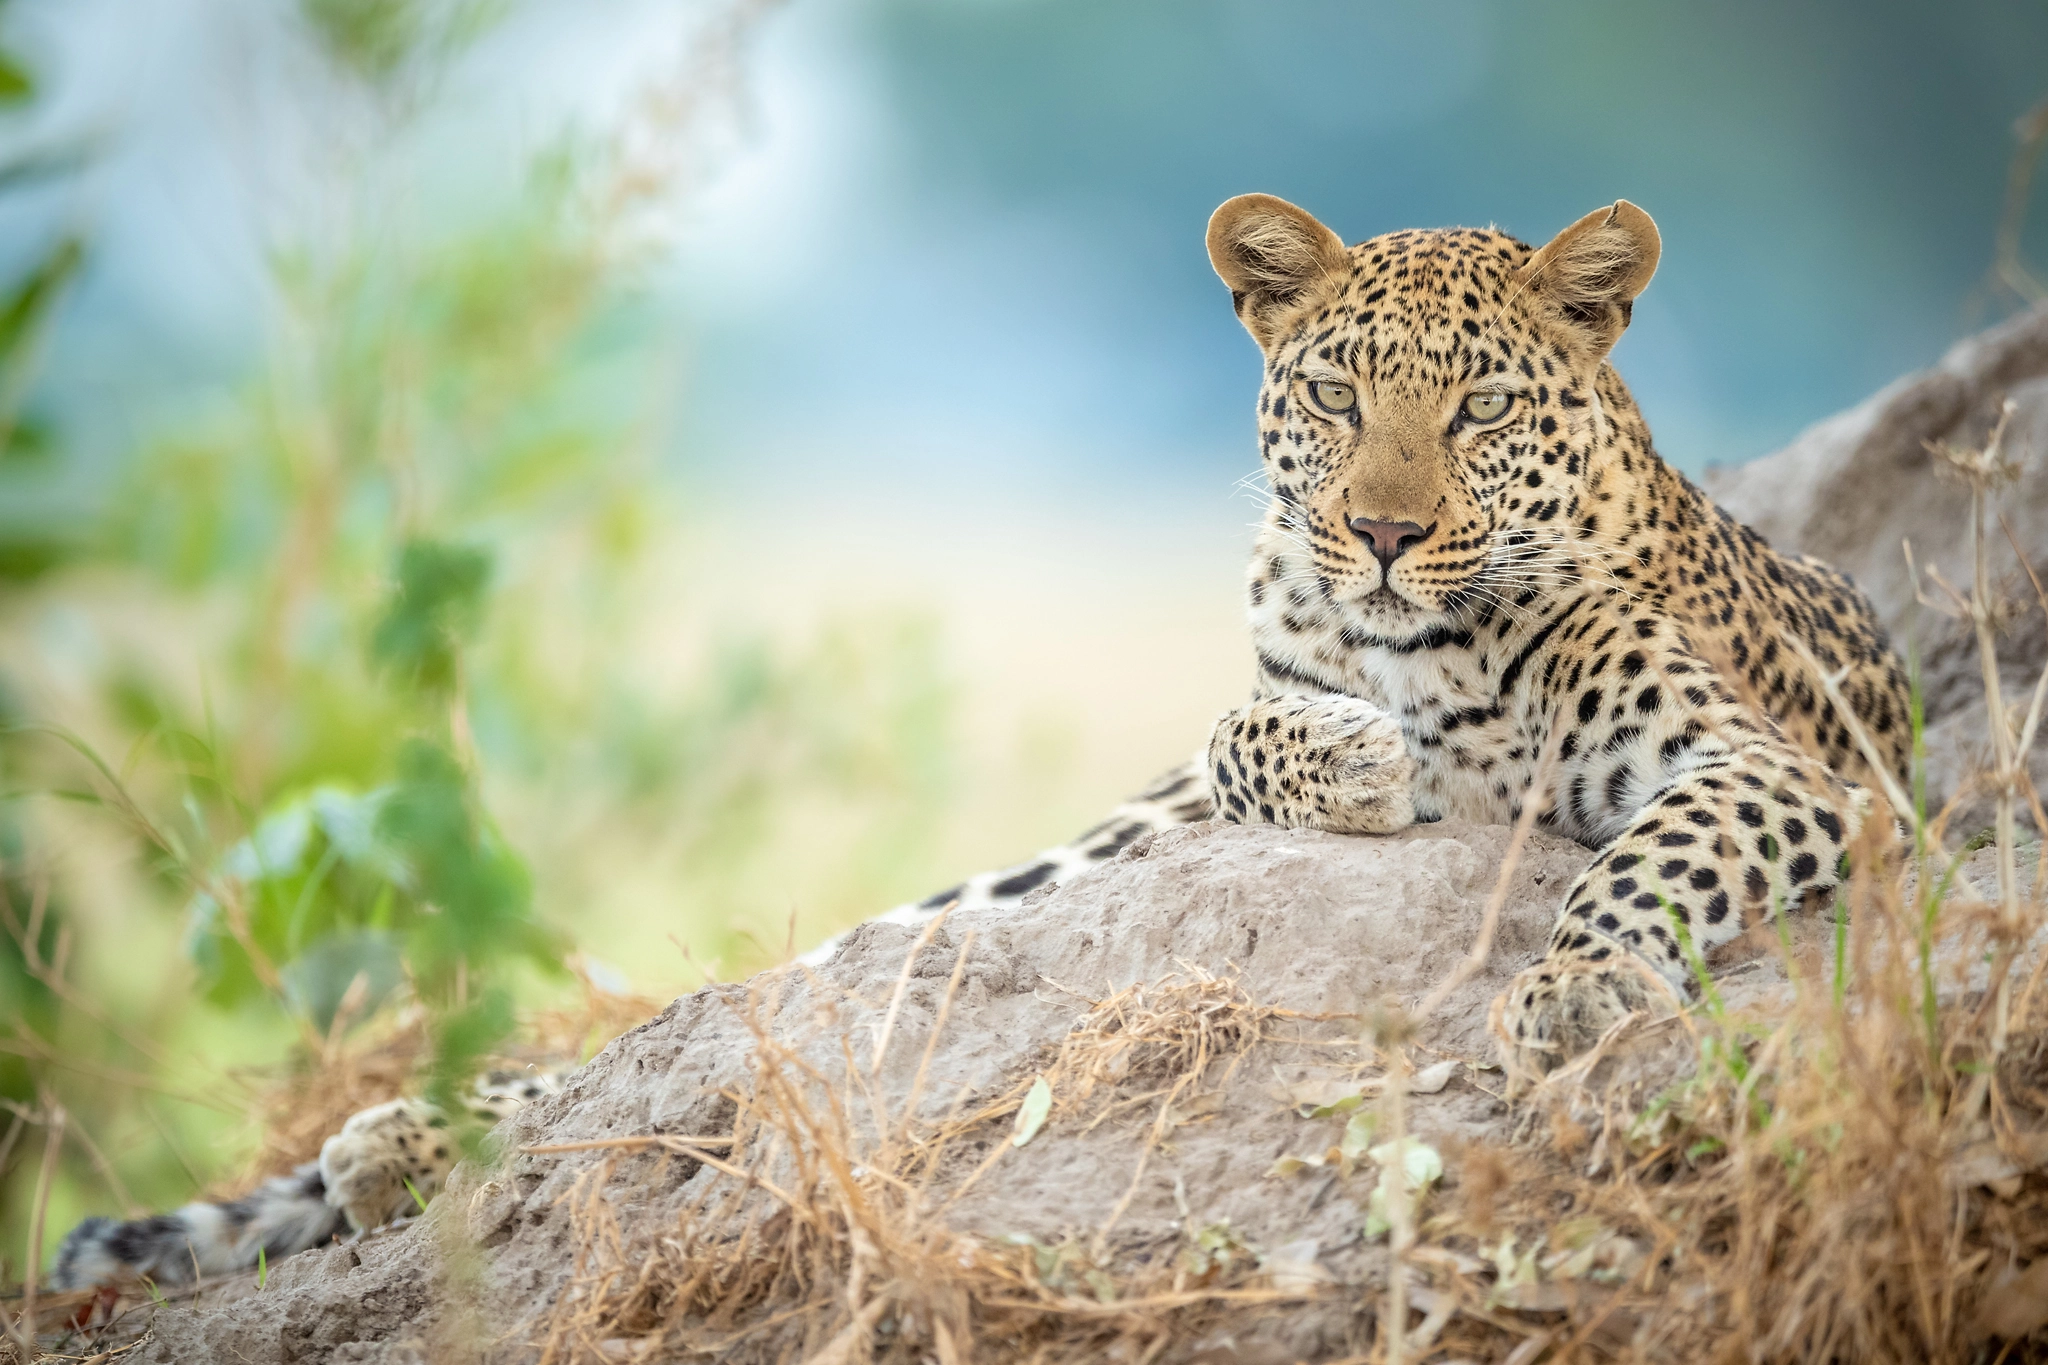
(1270, 253)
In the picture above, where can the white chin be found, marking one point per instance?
(1389, 601)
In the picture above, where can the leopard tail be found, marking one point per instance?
(283, 1215)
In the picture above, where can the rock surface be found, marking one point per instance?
(1320, 924)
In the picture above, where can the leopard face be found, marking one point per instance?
(1428, 407)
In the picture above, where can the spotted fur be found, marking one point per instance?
(359, 1182)
(1326, 762)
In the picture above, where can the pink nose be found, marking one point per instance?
(1389, 539)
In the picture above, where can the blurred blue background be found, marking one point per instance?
(952, 248)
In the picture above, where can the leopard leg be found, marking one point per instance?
(1747, 831)
(1331, 762)
(389, 1159)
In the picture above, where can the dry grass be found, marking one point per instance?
(346, 1073)
(301, 1108)
(1817, 1191)
(816, 1229)
(1820, 1190)
(295, 1112)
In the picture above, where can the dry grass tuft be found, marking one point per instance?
(301, 1108)
(1820, 1190)
(1167, 1036)
(577, 1032)
(346, 1073)
(1164, 1034)
(816, 1228)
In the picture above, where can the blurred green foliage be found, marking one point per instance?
(377, 40)
(34, 926)
(280, 682)
(437, 605)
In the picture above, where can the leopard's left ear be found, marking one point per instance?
(1593, 270)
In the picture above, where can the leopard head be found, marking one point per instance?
(1429, 410)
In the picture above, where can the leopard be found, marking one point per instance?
(1476, 574)
(1476, 586)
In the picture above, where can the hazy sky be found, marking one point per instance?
(955, 252)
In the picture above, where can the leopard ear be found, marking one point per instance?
(1593, 270)
(1270, 253)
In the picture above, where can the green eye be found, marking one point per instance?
(1331, 396)
(1487, 407)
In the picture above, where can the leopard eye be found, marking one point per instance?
(1487, 407)
(1331, 396)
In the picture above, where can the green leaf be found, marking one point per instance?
(379, 40)
(27, 554)
(225, 973)
(29, 441)
(1031, 1115)
(24, 307)
(316, 981)
(1358, 1133)
(1344, 1105)
(372, 38)
(462, 867)
(1407, 1169)
(311, 880)
(462, 1039)
(436, 607)
(1215, 1247)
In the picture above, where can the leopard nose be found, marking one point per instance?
(1389, 540)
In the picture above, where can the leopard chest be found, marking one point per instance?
(1475, 743)
(1475, 746)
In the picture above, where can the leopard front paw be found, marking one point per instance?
(1330, 763)
(1560, 1007)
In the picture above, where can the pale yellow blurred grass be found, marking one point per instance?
(1085, 656)
(1081, 657)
